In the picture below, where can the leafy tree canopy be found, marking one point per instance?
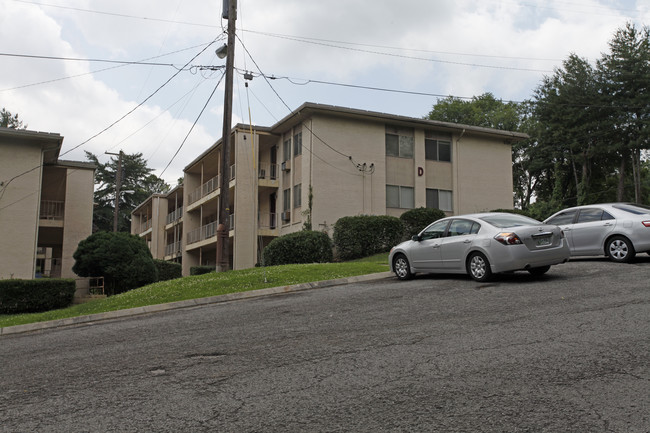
(136, 177)
(9, 120)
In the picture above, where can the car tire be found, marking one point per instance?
(478, 267)
(402, 267)
(539, 271)
(619, 249)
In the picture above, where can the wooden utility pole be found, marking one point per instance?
(118, 184)
(224, 184)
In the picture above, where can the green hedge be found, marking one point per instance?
(361, 236)
(300, 247)
(200, 270)
(415, 220)
(32, 296)
(168, 270)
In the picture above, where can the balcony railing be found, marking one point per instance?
(50, 268)
(267, 220)
(268, 171)
(52, 210)
(173, 248)
(202, 233)
(175, 215)
(204, 190)
(145, 226)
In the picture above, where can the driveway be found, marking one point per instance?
(565, 352)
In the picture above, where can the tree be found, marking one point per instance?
(124, 260)
(625, 79)
(9, 120)
(136, 177)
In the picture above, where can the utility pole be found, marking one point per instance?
(224, 184)
(118, 184)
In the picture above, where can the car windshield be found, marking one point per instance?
(509, 220)
(636, 209)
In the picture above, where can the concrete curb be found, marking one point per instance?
(111, 315)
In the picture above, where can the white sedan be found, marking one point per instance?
(616, 230)
(481, 245)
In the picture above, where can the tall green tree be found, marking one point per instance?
(570, 122)
(625, 81)
(9, 120)
(138, 183)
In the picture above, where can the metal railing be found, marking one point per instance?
(267, 220)
(52, 210)
(203, 190)
(145, 226)
(268, 171)
(175, 215)
(173, 248)
(202, 233)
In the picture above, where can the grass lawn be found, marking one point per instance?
(201, 286)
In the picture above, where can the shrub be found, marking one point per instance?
(200, 270)
(361, 236)
(122, 259)
(300, 247)
(168, 270)
(415, 220)
(32, 296)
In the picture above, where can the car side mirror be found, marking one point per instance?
(416, 238)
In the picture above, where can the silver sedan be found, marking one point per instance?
(481, 245)
(616, 230)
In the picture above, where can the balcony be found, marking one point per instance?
(267, 221)
(173, 249)
(174, 216)
(202, 233)
(145, 226)
(52, 210)
(205, 189)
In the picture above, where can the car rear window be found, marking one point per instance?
(509, 220)
(636, 209)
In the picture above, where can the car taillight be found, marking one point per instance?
(646, 223)
(508, 239)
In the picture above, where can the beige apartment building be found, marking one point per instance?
(354, 162)
(46, 205)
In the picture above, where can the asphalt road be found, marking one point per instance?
(568, 352)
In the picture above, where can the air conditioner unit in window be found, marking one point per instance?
(286, 166)
(286, 215)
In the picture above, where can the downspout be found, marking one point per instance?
(457, 162)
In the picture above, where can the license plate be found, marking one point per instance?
(542, 242)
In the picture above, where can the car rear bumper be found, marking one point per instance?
(519, 257)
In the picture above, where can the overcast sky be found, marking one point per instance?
(409, 52)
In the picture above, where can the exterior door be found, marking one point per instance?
(425, 253)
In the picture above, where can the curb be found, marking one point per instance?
(118, 314)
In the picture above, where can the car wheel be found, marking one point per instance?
(620, 249)
(539, 271)
(402, 267)
(478, 267)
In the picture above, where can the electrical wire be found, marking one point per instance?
(141, 103)
(193, 125)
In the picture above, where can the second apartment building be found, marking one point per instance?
(327, 162)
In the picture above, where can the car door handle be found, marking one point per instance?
(608, 224)
(467, 241)
(436, 246)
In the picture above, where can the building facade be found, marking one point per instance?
(46, 205)
(327, 162)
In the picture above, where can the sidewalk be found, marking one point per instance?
(93, 318)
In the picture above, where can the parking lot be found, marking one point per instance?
(567, 351)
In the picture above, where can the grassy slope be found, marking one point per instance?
(212, 284)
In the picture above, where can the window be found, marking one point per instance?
(399, 143)
(463, 227)
(437, 150)
(591, 215)
(435, 230)
(402, 197)
(297, 144)
(563, 218)
(439, 199)
(297, 195)
(286, 150)
(286, 199)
